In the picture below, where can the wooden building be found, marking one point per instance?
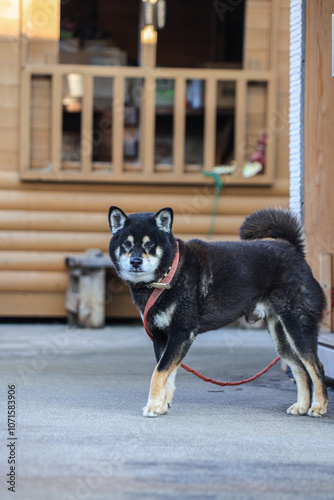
(311, 146)
(76, 138)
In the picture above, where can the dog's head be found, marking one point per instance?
(142, 244)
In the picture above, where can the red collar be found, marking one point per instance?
(164, 284)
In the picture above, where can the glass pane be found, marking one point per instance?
(102, 122)
(72, 107)
(164, 124)
(194, 147)
(225, 123)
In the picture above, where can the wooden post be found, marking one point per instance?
(147, 125)
(319, 124)
(91, 311)
(118, 125)
(85, 298)
(56, 124)
(240, 123)
(87, 124)
(148, 42)
(210, 123)
(148, 55)
(326, 283)
(179, 125)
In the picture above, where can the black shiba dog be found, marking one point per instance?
(218, 282)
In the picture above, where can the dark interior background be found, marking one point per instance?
(197, 32)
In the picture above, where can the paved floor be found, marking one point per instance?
(80, 433)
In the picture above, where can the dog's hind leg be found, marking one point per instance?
(302, 336)
(299, 372)
(162, 385)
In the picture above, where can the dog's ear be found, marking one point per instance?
(164, 219)
(116, 218)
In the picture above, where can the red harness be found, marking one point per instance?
(151, 301)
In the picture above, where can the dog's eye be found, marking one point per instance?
(148, 246)
(127, 245)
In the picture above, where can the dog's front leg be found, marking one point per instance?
(162, 382)
(157, 401)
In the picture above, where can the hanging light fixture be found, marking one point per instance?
(161, 14)
(155, 13)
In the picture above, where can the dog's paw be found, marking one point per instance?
(317, 410)
(153, 410)
(297, 409)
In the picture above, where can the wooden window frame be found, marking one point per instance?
(148, 174)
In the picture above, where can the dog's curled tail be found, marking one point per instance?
(277, 223)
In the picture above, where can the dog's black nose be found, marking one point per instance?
(136, 262)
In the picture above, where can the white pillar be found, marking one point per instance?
(296, 111)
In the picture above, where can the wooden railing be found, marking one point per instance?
(145, 169)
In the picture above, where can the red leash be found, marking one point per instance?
(151, 301)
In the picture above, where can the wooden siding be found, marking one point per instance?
(319, 126)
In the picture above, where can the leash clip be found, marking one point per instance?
(161, 286)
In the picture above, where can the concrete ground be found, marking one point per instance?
(81, 435)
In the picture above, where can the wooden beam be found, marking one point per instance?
(143, 177)
(29, 281)
(240, 124)
(147, 125)
(52, 304)
(67, 224)
(148, 56)
(118, 125)
(271, 118)
(89, 203)
(11, 180)
(32, 304)
(25, 118)
(56, 125)
(32, 261)
(141, 72)
(53, 241)
(179, 124)
(210, 118)
(87, 125)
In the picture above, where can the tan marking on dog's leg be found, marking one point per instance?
(158, 390)
(170, 389)
(319, 399)
(300, 375)
(303, 391)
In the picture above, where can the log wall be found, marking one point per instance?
(41, 223)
